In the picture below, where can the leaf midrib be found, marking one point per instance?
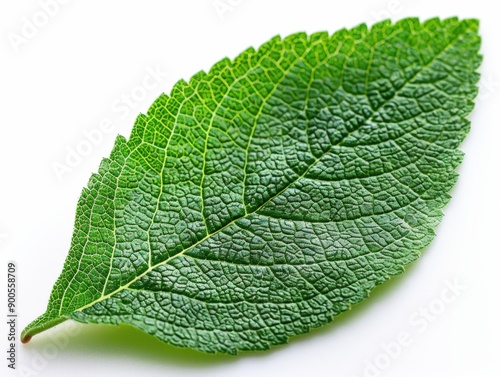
(450, 44)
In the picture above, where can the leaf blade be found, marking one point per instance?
(305, 173)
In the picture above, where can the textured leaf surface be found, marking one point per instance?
(263, 198)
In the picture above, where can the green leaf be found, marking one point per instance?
(267, 196)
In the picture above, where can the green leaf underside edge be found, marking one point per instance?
(332, 108)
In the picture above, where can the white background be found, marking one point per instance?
(68, 77)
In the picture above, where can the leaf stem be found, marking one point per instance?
(39, 325)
